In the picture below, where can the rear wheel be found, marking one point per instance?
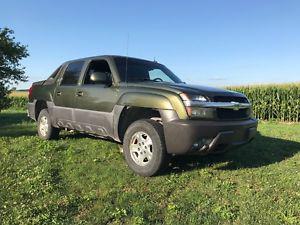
(45, 129)
(144, 147)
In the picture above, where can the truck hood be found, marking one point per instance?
(188, 89)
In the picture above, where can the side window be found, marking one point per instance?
(72, 73)
(159, 74)
(55, 73)
(96, 66)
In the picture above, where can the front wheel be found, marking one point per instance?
(144, 147)
(45, 129)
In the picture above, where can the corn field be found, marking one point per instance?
(270, 102)
(274, 102)
(18, 103)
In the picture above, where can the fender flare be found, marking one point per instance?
(146, 100)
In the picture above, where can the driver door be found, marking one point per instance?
(95, 100)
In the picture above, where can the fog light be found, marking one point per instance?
(195, 146)
(201, 144)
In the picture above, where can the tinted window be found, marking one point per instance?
(159, 75)
(96, 66)
(72, 73)
(137, 70)
(55, 73)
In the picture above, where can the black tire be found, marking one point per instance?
(50, 131)
(159, 157)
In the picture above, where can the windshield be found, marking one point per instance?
(142, 71)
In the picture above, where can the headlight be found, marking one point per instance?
(188, 100)
(191, 103)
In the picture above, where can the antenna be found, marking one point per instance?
(126, 63)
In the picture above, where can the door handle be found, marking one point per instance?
(79, 93)
(58, 93)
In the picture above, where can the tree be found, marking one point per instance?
(11, 71)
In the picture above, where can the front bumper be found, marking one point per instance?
(182, 135)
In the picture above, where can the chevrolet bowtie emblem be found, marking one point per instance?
(236, 106)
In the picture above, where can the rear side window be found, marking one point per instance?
(55, 73)
(72, 73)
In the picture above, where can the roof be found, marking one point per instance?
(105, 57)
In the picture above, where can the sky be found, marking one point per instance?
(213, 42)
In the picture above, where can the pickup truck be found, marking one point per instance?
(142, 105)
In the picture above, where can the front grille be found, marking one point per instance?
(230, 99)
(230, 114)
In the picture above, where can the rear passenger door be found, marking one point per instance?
(64, 94)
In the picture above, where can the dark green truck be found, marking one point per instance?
(142, 105)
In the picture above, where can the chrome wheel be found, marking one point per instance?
(141, 148)
(43, 126)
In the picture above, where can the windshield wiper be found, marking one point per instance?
(140, 80)
(146, 79)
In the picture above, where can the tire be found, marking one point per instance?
(144, 147)
(45, 129)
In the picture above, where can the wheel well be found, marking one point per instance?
(39, 106)
(132, 114)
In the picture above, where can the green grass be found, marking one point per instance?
(84, 180)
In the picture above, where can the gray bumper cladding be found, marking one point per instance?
(191, 136)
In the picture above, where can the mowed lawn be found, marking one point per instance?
(84, 180)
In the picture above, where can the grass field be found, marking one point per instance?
(84, 180)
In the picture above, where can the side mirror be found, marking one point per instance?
(100, 78)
